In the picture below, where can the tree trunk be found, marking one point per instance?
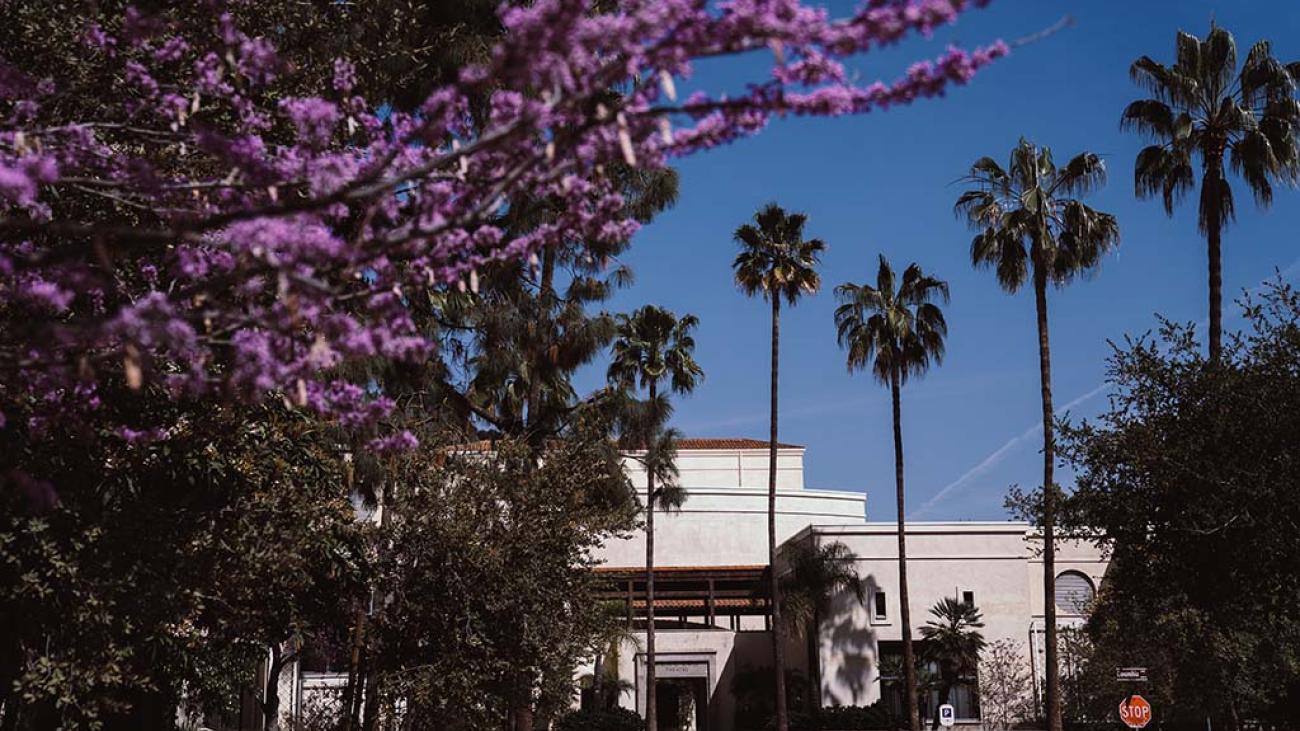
(774, 584)
(945, 694)
(271, 698)
(1053, 710)
(354, 667)
(904, 603)
(1214, 231)
(541, 354)
(814, 665)
(598, 682)
(370, 709)
(651, 712)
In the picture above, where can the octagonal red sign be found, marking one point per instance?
(1135, 711)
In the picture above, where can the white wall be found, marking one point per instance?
(996, 561)
(729, 468)
(728, 526)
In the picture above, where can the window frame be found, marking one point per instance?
(879, 597)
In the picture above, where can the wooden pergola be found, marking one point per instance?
(704, 592)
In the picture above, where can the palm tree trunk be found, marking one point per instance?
(598, 681)
(945, 694)
(1214, 226)
(1053, 710)
(813, 634)
(651, 715)
(545, 295)
(774, 584)
(905, 610)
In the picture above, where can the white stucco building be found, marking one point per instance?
(711, 616)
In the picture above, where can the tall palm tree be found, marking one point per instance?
(1030, 227)
(953, 642)
(775, 261)
(817, 574)
(896, 329)
(1203, 106)
(654, 348)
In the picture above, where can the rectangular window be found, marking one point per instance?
(968, 597)
(879, 607)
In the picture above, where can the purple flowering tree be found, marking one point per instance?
(209, 235)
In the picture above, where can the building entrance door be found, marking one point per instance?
(682, 686)
(683, 704)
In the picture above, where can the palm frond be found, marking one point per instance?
(1151, 117)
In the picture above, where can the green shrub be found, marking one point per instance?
(595, 719)
(875, 717)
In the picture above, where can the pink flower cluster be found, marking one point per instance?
(285, 260)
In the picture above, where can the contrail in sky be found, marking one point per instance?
(997, 455)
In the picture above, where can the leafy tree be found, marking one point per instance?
(487, 591)
(600, 719)
(1029, 226)
(167, 568)
(953, 642)
(815, 574)
(1188, 480)
(896, 329)
(1005, 686)
(654, 348)
(775, 261)
(1202, 106)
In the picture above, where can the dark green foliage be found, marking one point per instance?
(490, 593)
(847, 718)
(755, 705)
(167, 566)
(611, 719)
(1190, 478)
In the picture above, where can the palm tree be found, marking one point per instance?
(895, 329)
(776, 262)
(613, 633)
(652, 348)
(1029, 226)
(817, 574)
(953, 643)
(1203, 106)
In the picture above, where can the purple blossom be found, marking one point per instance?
(276, 262)
(313, 118)
(345, 76)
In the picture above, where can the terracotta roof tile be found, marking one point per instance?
(728, 443)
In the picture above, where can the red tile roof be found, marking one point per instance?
(729, 443)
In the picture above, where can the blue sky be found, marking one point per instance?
(884, 182)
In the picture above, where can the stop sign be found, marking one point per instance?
(1135, 712)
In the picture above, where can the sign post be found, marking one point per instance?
(1135, 711)
(1131, 675)
(947, 715)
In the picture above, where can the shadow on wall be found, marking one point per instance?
(849, 652)
(752, 650)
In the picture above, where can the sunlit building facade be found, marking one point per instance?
(711, 610)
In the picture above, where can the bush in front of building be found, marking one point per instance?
(875, 717)
(601, 719)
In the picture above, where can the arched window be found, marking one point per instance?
(1074, 592)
